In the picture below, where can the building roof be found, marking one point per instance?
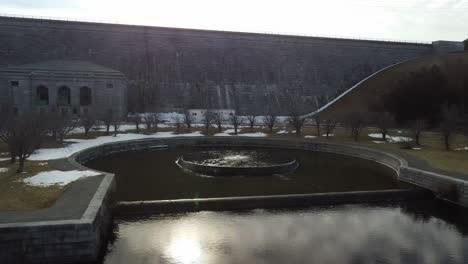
(63, 66)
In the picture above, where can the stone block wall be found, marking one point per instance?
(63, 241)
(437, 183)
(202, 68)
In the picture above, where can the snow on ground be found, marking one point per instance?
(309, 136)
(227, 131)
(4, 159)
(464, 148)
(48, 178)
(282, 132)
(330, 135)
(80, 144)
(3, 170)
(390, 139)
(256, 134)
(222, 135)
(122, 128)
(379, 142)
(416, 148)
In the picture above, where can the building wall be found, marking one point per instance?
(23, 97)
(208, 69)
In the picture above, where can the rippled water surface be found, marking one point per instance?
(416, 232)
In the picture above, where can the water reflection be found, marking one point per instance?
(345, 234)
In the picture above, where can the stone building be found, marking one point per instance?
(68, 86)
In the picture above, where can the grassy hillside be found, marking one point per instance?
(371, 90)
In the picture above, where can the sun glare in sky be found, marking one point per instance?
(420, 20)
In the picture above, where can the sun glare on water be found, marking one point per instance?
(185, 250)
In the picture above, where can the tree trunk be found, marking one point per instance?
(189, 128)
(107, 129)
(298, 132)
(384, 136)
(251, 128)
(138, 128)
(417, 139)
(21, 165)
(12, 157)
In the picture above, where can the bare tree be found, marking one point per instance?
(137, 120)
(88, 121)
(218, 119)
(449, 124)
(177, 123)
(236, 121)
(317, 122)
(252, 119)
(107, 119)
(23, 135)
(60, 125)
(188, 120)
(151, 121)
(116, 123)
(296, 121)
(329, 126)
(355, 121)
(416, 128)
(383, 121)
(207, 120)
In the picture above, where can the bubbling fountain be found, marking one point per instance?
(237, 163)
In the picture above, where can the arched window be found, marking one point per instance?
(85, 96)
(42, 95)
(64, 96)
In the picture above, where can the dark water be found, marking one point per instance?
(416, 232)
(153, 175)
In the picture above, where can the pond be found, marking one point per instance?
(154, 175)
(410, 232)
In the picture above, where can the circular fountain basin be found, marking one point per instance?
(237, 163)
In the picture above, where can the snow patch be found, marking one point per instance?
(463, 148)
(416, 148)
(4, 170)
(256, 134)
(5, 159)
(80, 144)
(391, 139)
(55, 177)
(330, 135)
(223, 135)
(282, 132)
(309, 136)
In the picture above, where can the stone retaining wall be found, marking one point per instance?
(62, 241)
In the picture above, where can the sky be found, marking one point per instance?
(407, 20)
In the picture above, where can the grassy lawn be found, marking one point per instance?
(432, 148)
(16, 195)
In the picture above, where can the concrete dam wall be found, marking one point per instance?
(176, 68)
